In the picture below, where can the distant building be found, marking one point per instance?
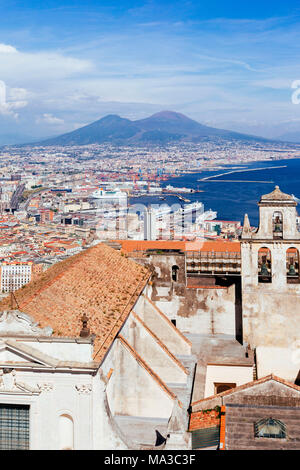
(196, 343)
(150, 232)
(15, 275)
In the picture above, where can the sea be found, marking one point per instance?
(236, 193)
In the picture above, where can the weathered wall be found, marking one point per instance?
(153, 352)
(270, 310)
(265, 230)
(207, 311)
(246, 407)
(162, 327)
(204, 419)
(240, 428)
(132, 391)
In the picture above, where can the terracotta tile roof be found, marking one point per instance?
(218, 246)
(248, 385)
(129, 246)
(99, 282)
(140, 245)
(206, 287)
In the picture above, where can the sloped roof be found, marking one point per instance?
(198, 245)
(277, 195)
(99, 282)
(249, 385)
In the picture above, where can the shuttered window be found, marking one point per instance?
(208, 437)
(14, 427)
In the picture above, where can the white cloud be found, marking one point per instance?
(32, 70)
(8, 106)
(16, 94)
(49, 119)
(6, 49)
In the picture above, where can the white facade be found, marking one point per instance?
(55, 382)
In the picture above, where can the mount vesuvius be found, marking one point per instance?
(160, 128)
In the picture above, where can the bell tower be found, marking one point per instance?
(271, 282)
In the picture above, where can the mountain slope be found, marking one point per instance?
(163, 127)
(293, 137)
(107, 129)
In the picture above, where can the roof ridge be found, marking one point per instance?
(34, 353)
(58, 276)
(249, 384)
(150, 371)
(169, 321)
(138, 288)
(161, 344)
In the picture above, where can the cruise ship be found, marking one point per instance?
(115, 196)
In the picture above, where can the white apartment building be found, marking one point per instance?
(15, 275)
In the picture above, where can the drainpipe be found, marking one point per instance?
(222, 428)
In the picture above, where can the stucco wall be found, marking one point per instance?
(133, 391)
(226, 374)
(61, 394)
(152, 352)
(161, 326)
(283, 362)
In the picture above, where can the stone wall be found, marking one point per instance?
(240, 427)
(269, 399)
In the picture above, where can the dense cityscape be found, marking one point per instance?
(149, 229)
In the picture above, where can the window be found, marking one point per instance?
(277, 221)
(270, 428)
(14, 427)
(292, 266)
(264, 265)
(223, 387)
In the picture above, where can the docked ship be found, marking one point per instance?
(110, 196)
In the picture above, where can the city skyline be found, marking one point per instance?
(73, 63)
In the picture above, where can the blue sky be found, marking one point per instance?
(227, 64)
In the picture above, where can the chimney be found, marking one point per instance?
(85, 331)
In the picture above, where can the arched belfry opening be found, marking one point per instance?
(264, 265)
(277, 224)
(292, 266)
(175, 270)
